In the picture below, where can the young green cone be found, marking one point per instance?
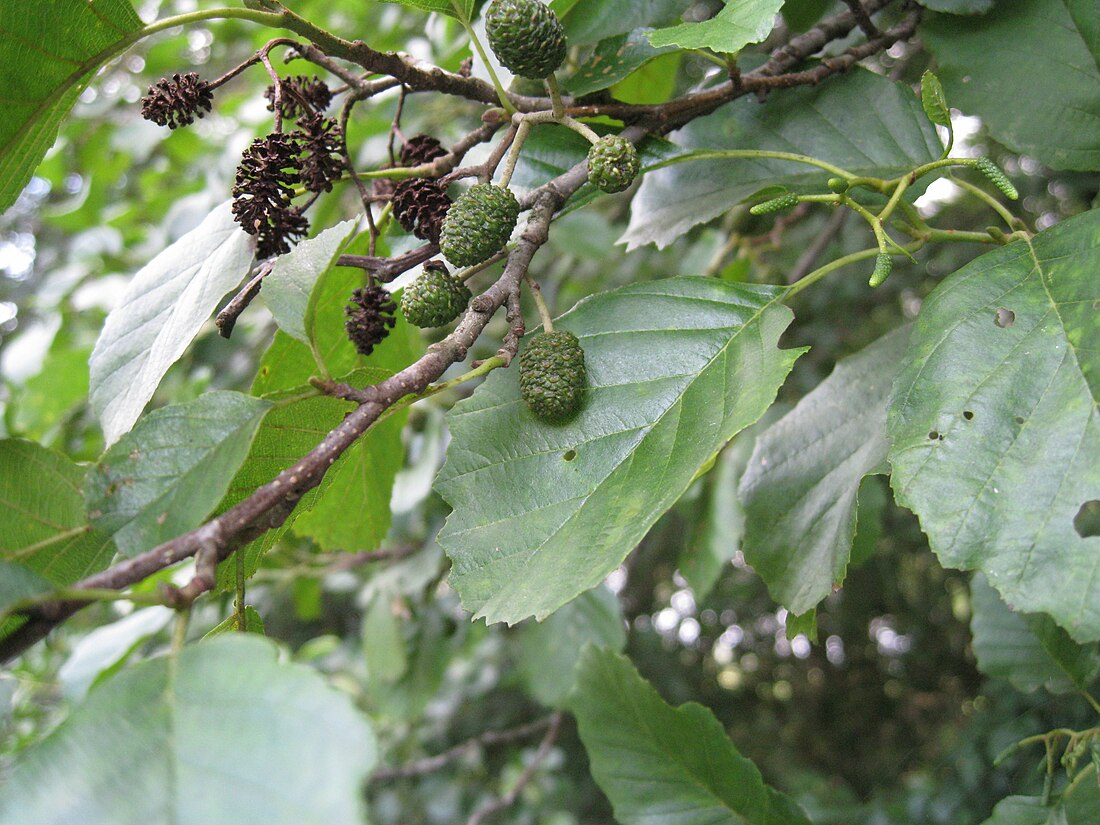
(613, 163)
(552, 376)
(479, 224)
(435, 298)
(526, 36)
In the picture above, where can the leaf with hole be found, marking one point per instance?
(994, 426)
(675, 369)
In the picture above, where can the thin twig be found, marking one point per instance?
(431, 764)
(863, 18)
(510, 798)
(227, 318)
(805, 263)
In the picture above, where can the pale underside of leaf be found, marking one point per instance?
(162, 311)
(196, 747)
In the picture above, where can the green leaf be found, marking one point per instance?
(1019, 810)
(430, 641)
(1031, 72)
(662, 764)
(104, 650)
(550, 650)
(716, 535)
(45, 536)
(652, 83)
(291, 432)
(958, 6)
(863, 122)
(289, 364)
(18, 583)
(48, 398)
(440, 6)
(289, 290)
(799, 490)
(994, 422)
(384, 639)
(718, 525)
(189, 741)
(253, 623)
(286, 434)
(799, 15)
(740, 23)
(933, 99)
(51, 52)
(1082, 807)
(591, 21)
(1030, 651)
(166, 475)
(162, 311)
(675, 369)
(353, 511)
(614, 59)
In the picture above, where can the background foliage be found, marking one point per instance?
(745, 447)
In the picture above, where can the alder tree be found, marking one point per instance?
(590, 411)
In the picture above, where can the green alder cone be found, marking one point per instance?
(435, 298)
(613, 163)
(526, 36)
(479, 224)
(552, 376)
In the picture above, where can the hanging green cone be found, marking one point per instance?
(613, 163)
(435, 298)
(552, 375)
(479, 224)
(526, 36)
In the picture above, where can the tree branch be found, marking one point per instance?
(510, 798)
(270, 505)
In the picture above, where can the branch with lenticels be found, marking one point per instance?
(270, 505)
